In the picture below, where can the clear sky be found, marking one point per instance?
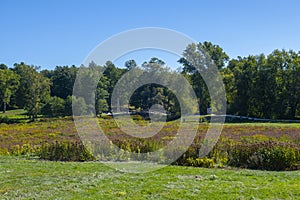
(61, 32)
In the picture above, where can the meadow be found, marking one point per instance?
(25, 174)
(248, 145)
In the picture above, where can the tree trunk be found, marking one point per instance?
(4, 107)
(32, 118)
(294, 110)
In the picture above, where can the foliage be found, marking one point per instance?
(200, 162)
(23, 150)
(34, 89)
(9, 83)
(79, 106)
(62, 81)
(239, 144)
(197, 68)
(262, 86)
(265, 156)
(54, 107)
(60, 151)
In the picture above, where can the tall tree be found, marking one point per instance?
(216, 53)
(199, 54)
(3, 66)
(130, 64)
(9, 83)
(244, 70)
(62, 80)
(113, 74)
(102, 95)
(34, 90)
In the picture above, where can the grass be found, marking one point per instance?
(34, 133)
(63, 129)
(22, 178)
(14, 114)
(30, 178)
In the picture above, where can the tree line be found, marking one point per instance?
(264, 86)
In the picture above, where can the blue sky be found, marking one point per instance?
(61, 32)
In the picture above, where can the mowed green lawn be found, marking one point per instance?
(22, 178)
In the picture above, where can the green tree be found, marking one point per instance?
(295, 87)
(229, 80)
(244, 70)
(202, 54)
(286, 75)
(216, 53)
(79, 106)
(130, 64)
(62, 81)
(54, 107)
(113, 74)
(150, 94)
(102, 96)
(101, 106)
(9, 83)
(34, 90)
(68, 106)
(3, 66)
(86, 85)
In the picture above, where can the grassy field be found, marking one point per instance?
(31, 178)
(63, 129)
(18, 115)
(22, 178)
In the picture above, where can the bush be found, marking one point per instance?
(24, 150)
(265, 156)
(106, 116)
(191, 152)
(63, 151)
(200, 162)
(4, 152)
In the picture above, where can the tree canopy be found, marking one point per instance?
(264, 86)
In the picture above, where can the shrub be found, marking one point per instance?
(4, 152)
(265, 156)
(65, 151)
(106, 116)
(101, 106)
(219, 153)
(200, 162)
(191, 152)
(24, 150)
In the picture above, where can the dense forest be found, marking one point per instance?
(264, 86)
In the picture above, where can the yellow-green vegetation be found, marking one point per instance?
(14, 116)
(22, 178)
(35, 133)
(26, 176)
(256, 146)
(18, 113)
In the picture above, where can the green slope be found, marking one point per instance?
(22, 178)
